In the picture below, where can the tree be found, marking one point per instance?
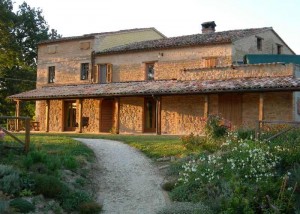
(20, 32)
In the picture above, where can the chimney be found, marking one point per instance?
(208, 27)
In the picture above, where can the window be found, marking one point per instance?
(210, 62)
(105, 73)
(279, 49)
(259, 43)
(84, 71)
(51, 74)
(150, 71)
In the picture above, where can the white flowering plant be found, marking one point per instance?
(238, 177)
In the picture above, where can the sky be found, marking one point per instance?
(171, 17)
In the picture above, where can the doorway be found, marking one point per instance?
(149, 115)
(107, 109)
(70, 116)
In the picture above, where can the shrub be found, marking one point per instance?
(4, 206)
(34, 157)
(49, 186)
(191, 141)
(72, 200)
(215, 127)
(9, 179)
(22, 205)
(90, 208)
(239, 178)
(185, 208)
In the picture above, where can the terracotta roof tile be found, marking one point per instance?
(163, 87)
(190, 40)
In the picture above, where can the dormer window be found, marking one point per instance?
(149, 71)
(259, 43)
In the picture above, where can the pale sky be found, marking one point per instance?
(171, 17)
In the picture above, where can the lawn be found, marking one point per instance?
(154, 146)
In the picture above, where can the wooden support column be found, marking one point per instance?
(27, 135)
(205, 114)
(117, 115)
(100, 114)
(17, 125)
(261, 107)
(47, 116)
(79, 115)
(158, 115)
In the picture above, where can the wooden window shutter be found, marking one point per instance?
(95, 73)
(109, 73)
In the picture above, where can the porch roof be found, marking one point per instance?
(161, 87)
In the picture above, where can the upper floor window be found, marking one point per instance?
(259, 43)
(105, 73)
(84, 71)
(279, 49)
(51, 74)
(210, 62)
(150, 71)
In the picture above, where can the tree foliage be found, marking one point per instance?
(20, 32)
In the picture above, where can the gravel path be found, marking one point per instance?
(128, 181)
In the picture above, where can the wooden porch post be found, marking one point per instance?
(79, 101)
(261, 107)
(47, 115)
(117, 114)
(205, 114)
(158, 116)
(17, 115)
(100, 114)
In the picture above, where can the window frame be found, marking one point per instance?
(108, 73)
(210, 62)
(279, 48)
(51, 74)
(147, 65)
(259, 42)
(84, 71)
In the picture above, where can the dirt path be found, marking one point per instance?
(128, 181)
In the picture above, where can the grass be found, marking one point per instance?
(154, 146)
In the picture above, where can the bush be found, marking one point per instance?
(34, 157)
(22, 205)
(215, 128)
(168, 186)
(191, 141)
(185, 208)
(4, 206)
(49, 186)
(90, 208)
(72, 200)
(9, 179)
(70, 163)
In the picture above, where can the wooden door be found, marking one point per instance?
(230, 108)
(150, 115)
(107, 107)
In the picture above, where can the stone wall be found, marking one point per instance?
(260, 70)
(40, 110)
(168, 63)
(182, 115)
(56, 116)
(91, 110)
(249, 45)
(278, 106)
(67, 58)
(131, 114)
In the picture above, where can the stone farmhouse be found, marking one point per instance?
(139, 81)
